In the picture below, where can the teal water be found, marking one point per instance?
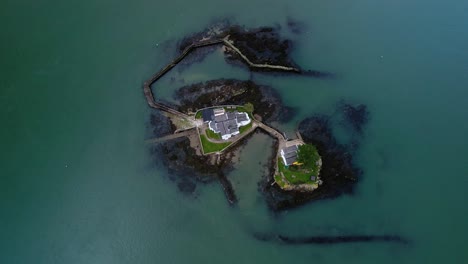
(77, 185)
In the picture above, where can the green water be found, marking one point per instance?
(77, 184)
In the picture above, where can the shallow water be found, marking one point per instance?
(77, 182)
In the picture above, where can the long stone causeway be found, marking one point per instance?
(147, 85)
(225, 41)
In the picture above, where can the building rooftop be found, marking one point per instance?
(289, 154)
(228, 123)
(207, 114)
(290, 160)
(242, 117)
(290, 149)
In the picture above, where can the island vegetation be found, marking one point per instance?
(303, 174)
(211, 147)
(208, 150)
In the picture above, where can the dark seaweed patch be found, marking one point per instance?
(328, 240)
(356, 115)
(295, 26)
(341, 239)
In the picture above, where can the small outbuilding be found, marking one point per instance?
(289, 154)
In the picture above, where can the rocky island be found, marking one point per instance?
(200, 135)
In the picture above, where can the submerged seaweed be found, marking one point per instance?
(328, 240)
(355, 115)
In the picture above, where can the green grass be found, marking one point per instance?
(311, 157)
(279, 180)
(198, 115)
(242, 129)
(295, 174)
(209, 147)
(212, 134)
(238, 109)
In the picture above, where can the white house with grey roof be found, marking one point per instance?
(227, 123)
(289, 154)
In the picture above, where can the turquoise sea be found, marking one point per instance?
(78, 185)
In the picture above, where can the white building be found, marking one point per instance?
(228, 123)
(289, 154)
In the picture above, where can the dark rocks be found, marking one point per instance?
(216, 29)
(267, 102)
(180, 158)
(159, 124)
(227, 188)
(185, 168)
(261, 45)
(318, 74)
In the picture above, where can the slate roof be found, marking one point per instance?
(289, 149)
(207, 114)
(220, 118)
(227, 123)
(290, 160)
(289, 154)
(241, 117)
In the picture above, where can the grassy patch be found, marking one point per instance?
(240, 109)
(209, 147)
(242, 129)
(296, 174)
(279, 181)
(198, 115)
(308, 155)
(212, 135)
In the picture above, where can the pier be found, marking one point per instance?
(184, 133)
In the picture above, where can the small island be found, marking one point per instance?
(216, 117)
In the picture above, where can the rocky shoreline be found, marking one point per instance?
(262, 45)
(267, 101)
(187, 167)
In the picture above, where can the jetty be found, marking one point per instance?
(184, 133)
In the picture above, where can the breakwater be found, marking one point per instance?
(225, 41)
